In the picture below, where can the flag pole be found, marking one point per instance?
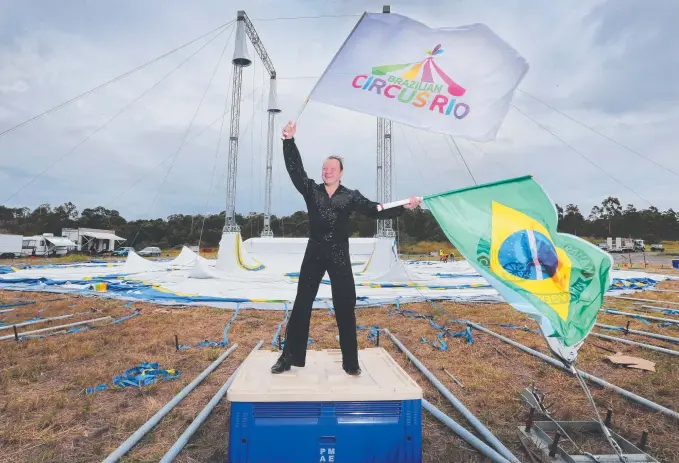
(306, 101)
(392, 204)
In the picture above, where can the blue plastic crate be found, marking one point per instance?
(326, 432)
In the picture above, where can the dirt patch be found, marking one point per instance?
(48, 418)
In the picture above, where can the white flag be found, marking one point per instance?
(458, 81)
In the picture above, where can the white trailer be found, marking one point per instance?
(92, 239)
(46, 245)
(10, 246)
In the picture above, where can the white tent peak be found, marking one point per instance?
(137, 264)
(200, 270)
(186, 257)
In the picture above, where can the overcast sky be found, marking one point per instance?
(611, 64)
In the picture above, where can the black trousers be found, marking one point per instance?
(319, 258)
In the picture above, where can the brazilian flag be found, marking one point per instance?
(508, 231)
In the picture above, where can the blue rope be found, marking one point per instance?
(126, 317)
(409, 314)
(144, 374)
(372, 331)
(439, 343)
(667, 311)
(443, 332)
(16, 304)
(207, 343)
(223, 343)
(614, 328)
(225, 340)
(642, 320)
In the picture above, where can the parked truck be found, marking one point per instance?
(623, 245)
(10, 246)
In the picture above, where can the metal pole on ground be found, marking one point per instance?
(665, 310)
(474, 441)
(642, 333)
(634, 343)
(490, 438)
(202, 416)
(52, 328)
(625, 298)
(647, 317)
(623, 392)
(42, 320)
(155, 419)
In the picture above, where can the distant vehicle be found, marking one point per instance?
(10, 246)
(46, 245)
(150, 252)
(657, 247)
(639, 245)
(620, 245)
(627, 245)
(122, 251)
(603, 246)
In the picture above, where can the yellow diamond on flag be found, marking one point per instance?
(522, 253)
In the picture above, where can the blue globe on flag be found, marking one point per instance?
(529, 255)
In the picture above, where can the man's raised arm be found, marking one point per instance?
(293, 161)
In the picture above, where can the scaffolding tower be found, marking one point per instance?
(246, 30)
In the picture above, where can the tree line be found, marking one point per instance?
(608, 219)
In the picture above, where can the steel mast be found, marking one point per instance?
(240, 60)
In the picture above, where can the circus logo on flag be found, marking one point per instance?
(415, 84)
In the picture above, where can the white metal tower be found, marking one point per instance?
(240, 60)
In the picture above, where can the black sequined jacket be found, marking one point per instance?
(329, 215)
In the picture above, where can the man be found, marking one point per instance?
(329, 206)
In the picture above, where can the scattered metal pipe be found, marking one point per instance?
(155, 419)
(594, 379)
(490, 438)
(52, 328)
(202, 416)
(641, 333)
(662, 290)
(470, 438)
(658, 309)
(634, 343)
(636, 299)
(647, 317)
(6, 310)
(42, 320)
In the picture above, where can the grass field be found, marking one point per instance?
(46, 417)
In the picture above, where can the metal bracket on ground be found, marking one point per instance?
(547, 434)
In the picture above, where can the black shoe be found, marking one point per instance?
(283, 364)
(354, 371)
